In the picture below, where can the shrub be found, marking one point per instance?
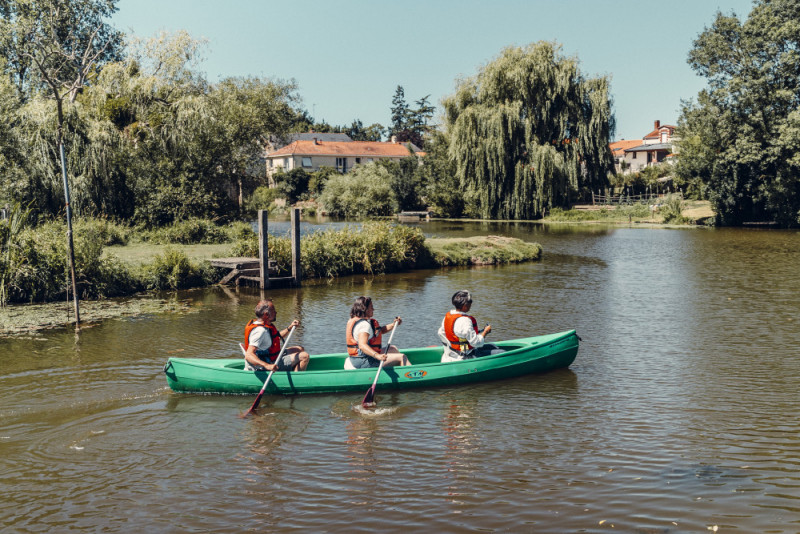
(374, 248)
(672, 210)
(174, 270)
(364, 192)
(40, 273)
(109, 232)
(263, 198)
(188, 232)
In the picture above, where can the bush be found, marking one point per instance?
(374, 248)
(293, 184)
(188, 232)
(174, 270)
(672, 210)
(263, 198)
(109, 232)
(364, 192)
(40, 266)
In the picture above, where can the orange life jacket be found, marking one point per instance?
(275, 348)
(352, 343)
(456, 343)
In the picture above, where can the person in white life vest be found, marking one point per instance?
(364, 338)
(262, 343)
(459, 332)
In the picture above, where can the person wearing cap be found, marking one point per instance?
(363, 335)
(460, 334)
(262, 343)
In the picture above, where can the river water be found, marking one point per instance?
(680, 413)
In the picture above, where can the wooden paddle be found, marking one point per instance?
(269, 376)
(369, 398)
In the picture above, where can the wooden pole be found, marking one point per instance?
(296, 274)
(263, 249)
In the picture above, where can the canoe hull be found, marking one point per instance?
(326, 374)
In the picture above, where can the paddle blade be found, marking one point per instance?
(369, 398)
(254, 406)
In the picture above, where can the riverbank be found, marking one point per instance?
(379, 249)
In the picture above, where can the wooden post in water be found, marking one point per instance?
(296, 274)
(263, 250)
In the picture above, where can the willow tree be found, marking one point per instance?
(529, 132)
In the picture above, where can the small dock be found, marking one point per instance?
(263, 271)
(413, 216)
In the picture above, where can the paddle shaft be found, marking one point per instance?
(269, 376)
(371, 391)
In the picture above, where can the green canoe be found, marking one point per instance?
(326, 373)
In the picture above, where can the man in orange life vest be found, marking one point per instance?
(459, 332)
(262, 343)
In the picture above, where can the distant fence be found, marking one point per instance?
(647, 198)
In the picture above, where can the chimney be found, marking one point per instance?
(316, 142)
(394, 139)
(656, 125)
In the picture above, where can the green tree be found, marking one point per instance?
(60, 45)
(741, 137)
(293, 185)
(529, 132)
(399, 112)
(442, 190)
(366, 191)
(246, 112)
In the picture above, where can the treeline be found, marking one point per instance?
(149, 140)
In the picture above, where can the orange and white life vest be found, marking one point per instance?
(458, 344)
(275, 348)
(374, 341)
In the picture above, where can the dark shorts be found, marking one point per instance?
(284, 364)
(364, 362)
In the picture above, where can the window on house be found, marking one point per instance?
(269, 163)
(633, 155)
(341, 164)
(307, 162)
(358, 160)
(369, 160)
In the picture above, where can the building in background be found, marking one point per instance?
(312, 154)
(655, 147)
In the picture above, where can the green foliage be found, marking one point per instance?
(618, 213)
(263, 198)
(374, 248)
(38, 258)
(410, 124)
(174, 270)
(189, 231)
(318, 180)
(489, 250)
(741, 138)
(671, 210)
(528, 132)
(109, 232)
(293, 185)
(442, 189)
(150, 141)
(366, 191)
(406, 180)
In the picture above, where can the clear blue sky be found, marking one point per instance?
(349, 56)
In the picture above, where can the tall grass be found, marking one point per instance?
(374, 248)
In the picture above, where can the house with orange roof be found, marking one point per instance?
(312, 154)
(618, 151)
(654, 148)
